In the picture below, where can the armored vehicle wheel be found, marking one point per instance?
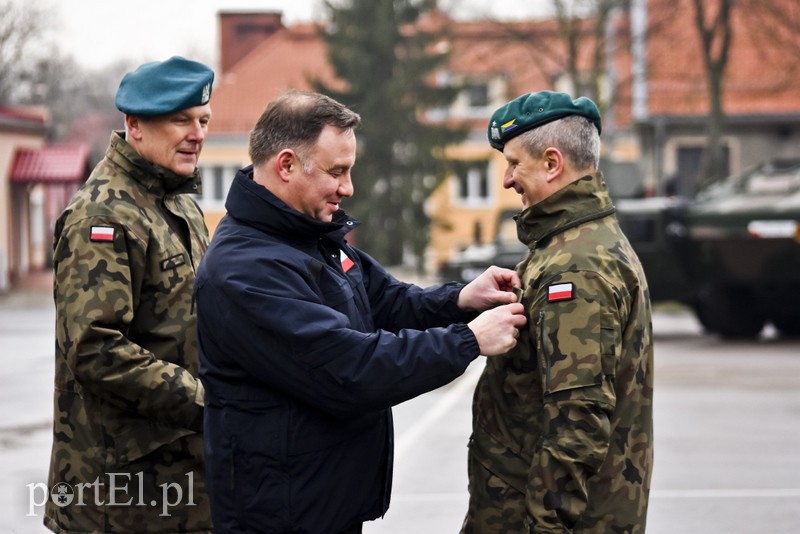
(729, 312)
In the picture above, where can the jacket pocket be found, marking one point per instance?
(610, 344)
(575, 356)
(336, 291)
(509, 465)
(257, 479)
(141, 438)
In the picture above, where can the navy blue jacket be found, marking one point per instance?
(301, 362)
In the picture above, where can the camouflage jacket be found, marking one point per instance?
(565, 418)
(127, 448)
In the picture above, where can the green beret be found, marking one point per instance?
(163, 87)
(535, 109)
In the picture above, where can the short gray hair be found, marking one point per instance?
(575, 136)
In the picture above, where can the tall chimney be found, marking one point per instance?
(242, 31)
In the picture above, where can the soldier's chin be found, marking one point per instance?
(184, 169)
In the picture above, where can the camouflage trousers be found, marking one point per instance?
(494, 506)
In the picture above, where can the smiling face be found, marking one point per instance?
(173, 141)
(322, 179)
(526, 174)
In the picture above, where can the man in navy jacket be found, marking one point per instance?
(306, 342)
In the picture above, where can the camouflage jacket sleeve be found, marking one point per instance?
(99, 286)
(576, 317)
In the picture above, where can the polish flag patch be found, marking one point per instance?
(102, 233)
(347, 263)
(557, 292)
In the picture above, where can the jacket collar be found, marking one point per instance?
(155, 178)
(583, 200)
(257, 206)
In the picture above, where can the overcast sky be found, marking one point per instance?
(98, 32)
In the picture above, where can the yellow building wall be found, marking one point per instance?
(453, 225)
(213, 218)
(229, 153)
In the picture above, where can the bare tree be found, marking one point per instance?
(770, 28)
(585, 25)
(21, 29)
(713, 23)
(582, 42)
(70, 92)
(33, 71)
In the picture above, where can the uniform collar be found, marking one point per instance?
(583, 200)
(154, 178)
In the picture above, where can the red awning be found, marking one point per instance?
(51, 164)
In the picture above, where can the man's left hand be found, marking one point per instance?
(495, 286)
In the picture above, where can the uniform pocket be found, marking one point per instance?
(573, 349)
(610, 344)
(141, 438)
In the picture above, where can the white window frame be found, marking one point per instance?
(210, 199)
(673, 144)
(473, 198)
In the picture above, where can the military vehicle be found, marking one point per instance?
(732, 253)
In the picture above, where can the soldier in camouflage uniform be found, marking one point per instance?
(127, 446)
(562, 425)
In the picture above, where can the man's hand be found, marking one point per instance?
(497, 329)
(494, 286)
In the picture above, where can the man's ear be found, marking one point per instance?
(132, 126)
(554, 163)
(285, 162)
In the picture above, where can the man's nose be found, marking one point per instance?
(197, 132)
(507, 178)
(346, 186)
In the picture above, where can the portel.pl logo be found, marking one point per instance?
(117, 494)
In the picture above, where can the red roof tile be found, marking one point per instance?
(286, 60)
(51, 164)
(760, 78)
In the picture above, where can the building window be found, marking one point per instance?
(472, 183)
(217, 180)
(683, 156)
(478, 95)
(217, 183)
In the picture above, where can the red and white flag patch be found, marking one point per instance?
(557, 292)
(347, 263)
(102, 233)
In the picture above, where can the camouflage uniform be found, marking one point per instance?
(127, 398)
(562, 425)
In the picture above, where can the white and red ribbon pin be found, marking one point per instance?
(347, 263)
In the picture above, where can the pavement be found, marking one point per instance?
(26, 392)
